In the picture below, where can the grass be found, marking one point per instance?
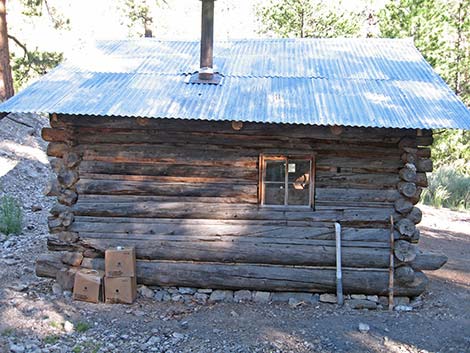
(11, 215)
(82, 327)
(55, 324)
(448, 188)
(52, 339)
(8, 332)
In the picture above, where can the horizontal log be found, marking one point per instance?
(429, 260)
(405, 251)
(57, 149)
(244, 199)
(265, 277)
(404, 274)
(256, 129)
(55, 135)
(228, 211)
(214, 228)
(407, 189)
(170, 170)
(356, 195)
(48, 264)
(408, 173)
(424, 165)
(119, 187)
(355, 180)
(403, 206)
(421, 180)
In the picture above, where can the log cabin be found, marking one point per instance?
(232, 173)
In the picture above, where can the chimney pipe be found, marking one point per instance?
(206, 71)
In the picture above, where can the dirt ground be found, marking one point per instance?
(33, 319)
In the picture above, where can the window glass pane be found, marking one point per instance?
(299, 170)
(275, 171)
(299, 194)
(274, 193)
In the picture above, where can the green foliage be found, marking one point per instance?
(452, 147)
(440, 30)
(11, 215)
(33, 64)
(139, 13)
(35, 8)
(52, 339)
(309, 18)
(82, 327)
(448, 188)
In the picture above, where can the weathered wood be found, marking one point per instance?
(52, 188)
(405, 251)
(424, 152)
(355, 180)
(409, 157)
(228, 211)
(415, 237)
(404, 274)
(55, 244)
(244, 249)
(421, 179)
(416, 196)
(406, 227)
(72, 258)
(55, 149)
(265, 277)
(68, 197)
(67, 178)
(66, 278)
(47, 265)
(429, 260)
(403, 206)
(408, 173)
(415, 215)
(68, 237)
(424, 165)
(407, 189)
(71, 159)
(55, 135)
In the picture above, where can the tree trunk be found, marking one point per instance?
(6, 80)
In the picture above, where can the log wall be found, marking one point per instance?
(186, 193)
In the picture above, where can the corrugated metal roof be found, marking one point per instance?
(353, 82)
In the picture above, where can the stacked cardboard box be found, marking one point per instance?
(120, 275)
(88, 286)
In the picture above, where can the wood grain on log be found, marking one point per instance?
(57, 149)
(421, 179)
(403, 206)
(55, 135)
(407, 189)
(72, 258)
(405, 251)
(404, 274)
(424, 165)
(415, 215)
(408, 173)
(406, 227)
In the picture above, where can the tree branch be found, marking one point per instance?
(21, 45)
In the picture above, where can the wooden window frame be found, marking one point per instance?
(263, 158)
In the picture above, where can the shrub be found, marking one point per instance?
(11, 215)
(448, 188)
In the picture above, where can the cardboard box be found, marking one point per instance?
(120, 262)
(88, 286)
(121, 290)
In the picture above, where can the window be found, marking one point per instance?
(286, 180)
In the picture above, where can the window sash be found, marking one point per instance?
(264, 159)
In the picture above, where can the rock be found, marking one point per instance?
(201, 297)
(242, 296)
(363, 328)
(178, 336)
(294, 302)
(159, 294)
(204, 290)
(146, 292)
(383, 301)
(358, 296)
(328, 298)
(177, 298)
(153, 340)
(403, 308)
(57, 289)
(3, 237)
(221, 295)
(17, 348)
(373, 298)
(68, 327)
(416, 303)
(20, 287)
(36, 208)
(401, 301)
(139, 313)
(362, 304)
(261, 297)
(186, 290)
